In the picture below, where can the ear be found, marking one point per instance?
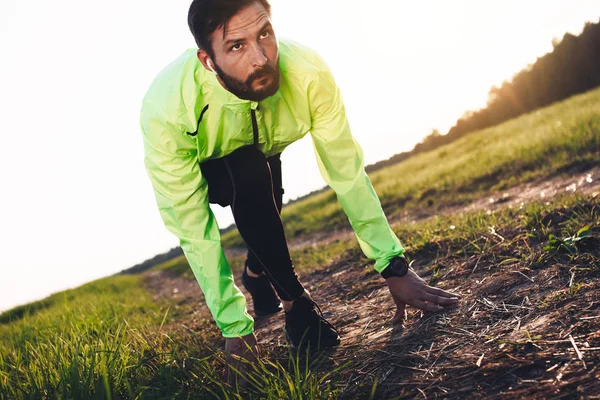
(205, 60)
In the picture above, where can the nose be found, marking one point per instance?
(259, 59)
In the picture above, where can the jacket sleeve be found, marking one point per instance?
(340, 161)
(182, 197)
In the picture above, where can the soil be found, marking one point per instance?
(517, 333)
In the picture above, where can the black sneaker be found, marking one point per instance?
(305, 327)
(263, 295)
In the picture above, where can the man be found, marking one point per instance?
(215, 122)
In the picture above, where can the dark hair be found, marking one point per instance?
(206, 16)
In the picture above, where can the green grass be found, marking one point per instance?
(101, 340)
(108, 339)
(177, 266)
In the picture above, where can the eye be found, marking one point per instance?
(264, 35)
(236, 47)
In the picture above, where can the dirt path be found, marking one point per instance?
(518, 333)
(587, 182)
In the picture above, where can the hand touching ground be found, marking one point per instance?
(241, 355)
(414, 291)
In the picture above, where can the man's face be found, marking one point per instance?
(246, 54)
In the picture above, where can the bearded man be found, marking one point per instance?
(215, 122)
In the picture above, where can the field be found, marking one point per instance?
(509, 217)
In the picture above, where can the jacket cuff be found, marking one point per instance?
(383, 263)
(239, 329)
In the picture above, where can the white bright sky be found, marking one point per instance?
(76, 203)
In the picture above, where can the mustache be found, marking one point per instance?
(266, 70)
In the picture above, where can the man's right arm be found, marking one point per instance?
(182, 197)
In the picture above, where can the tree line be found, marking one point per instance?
(156, 260)
(572, 67)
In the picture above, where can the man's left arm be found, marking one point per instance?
(340, 160)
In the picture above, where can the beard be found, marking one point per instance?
(243, 89)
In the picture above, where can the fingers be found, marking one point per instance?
(427, 306)
(439, 300)
(400, 313)
(441, 292)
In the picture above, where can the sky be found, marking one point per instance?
(76, 203)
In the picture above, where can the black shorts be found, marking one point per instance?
(220, 187)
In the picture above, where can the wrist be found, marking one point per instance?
(398, 267)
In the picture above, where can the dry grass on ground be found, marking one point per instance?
(526, 327)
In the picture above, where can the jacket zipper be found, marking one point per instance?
(254, 124)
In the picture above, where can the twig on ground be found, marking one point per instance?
(412, 368)
(572, 277)
(579, 355)
(367, 325)
(475, 267)
(479, 360)
(552, 368)
(519, 272)
(429, 351)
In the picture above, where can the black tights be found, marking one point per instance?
(251, 184)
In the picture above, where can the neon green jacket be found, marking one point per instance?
(187, 117)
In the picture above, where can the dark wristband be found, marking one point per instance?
(398, 267)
